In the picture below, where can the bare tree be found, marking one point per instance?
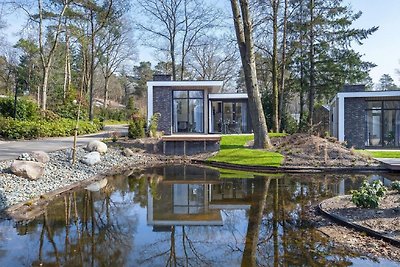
(214, 61)
(116, 47)
(244, 31)
(47, 55)
(179, 23)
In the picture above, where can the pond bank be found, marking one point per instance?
(60, 174)
(382, 222)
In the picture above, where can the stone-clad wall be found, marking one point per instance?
(354, 122)
(162, 103)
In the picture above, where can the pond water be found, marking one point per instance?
(184, 216)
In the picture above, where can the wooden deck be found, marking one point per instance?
(392, 164)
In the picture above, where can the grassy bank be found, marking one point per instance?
(381, 154)
(233, 151)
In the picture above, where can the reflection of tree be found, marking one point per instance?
(179, 241)
(253, 227)
(287, 236)
(94, 229)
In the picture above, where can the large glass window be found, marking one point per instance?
(188, 112)
(229, 117)
(383, 123)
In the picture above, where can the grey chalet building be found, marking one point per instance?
(196, 107)
(366, 119)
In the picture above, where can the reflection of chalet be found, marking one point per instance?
(191, 195)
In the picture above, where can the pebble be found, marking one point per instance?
(59, 173)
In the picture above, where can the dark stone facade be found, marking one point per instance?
(354, 122)
(162, 103)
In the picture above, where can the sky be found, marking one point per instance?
(381, 48)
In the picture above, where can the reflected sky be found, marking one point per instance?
(184, 216)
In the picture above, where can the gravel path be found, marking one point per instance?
(60, 173)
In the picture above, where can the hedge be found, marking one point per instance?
(15, 129)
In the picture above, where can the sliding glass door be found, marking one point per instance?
(188, 112)
(383, 124)
(229, 117)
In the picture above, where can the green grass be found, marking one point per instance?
(380, 154)
(232, 150)
(235, 174)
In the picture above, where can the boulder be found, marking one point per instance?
(96, 186)
(41, 156)
(98, 146)
(127, 152)
(28, 169)
(91, 159)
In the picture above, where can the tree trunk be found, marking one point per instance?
(173, 61)
(46, 71)
(311, 95)
(275, 97)
(283, 69)
(91, 66)
(67, 66)
(245, 42)
(106, 83)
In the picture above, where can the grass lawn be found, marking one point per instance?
(381, 154)
(232, 150)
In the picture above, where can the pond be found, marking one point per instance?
(181, 215)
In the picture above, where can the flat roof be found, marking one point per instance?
(369, 94)
(186, 83)
(228, 96)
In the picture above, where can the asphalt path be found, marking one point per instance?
(12, 149)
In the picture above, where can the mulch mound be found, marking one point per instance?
(314, 151)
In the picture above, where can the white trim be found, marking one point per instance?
(228, 96)
(369, 94)
(186, 83)
(340, 103)
(149, 102)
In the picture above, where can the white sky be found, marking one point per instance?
(382, 48)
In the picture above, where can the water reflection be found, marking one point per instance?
(183, 216)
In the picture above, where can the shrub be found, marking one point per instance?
(154, 124)
(396, 186)
(136, 127)
(111, 114)
(369, 195)
(70, 111)
(14, 129)
(26, 109)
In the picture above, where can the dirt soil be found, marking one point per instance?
(313, 151)
(384, 219)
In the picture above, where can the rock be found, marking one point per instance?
(98, 146)
(41, 156)
(91, 159)
(96, 186)
(28, 169)
(127, 152)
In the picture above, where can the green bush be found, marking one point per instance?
(154, 124)
(70, 111)
(137, 127)
(369, 195)
(396, 186)
(26, 109)
(111, 114)
(15, 129)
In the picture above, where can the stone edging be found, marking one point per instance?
(343, 221)
(299, 169)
